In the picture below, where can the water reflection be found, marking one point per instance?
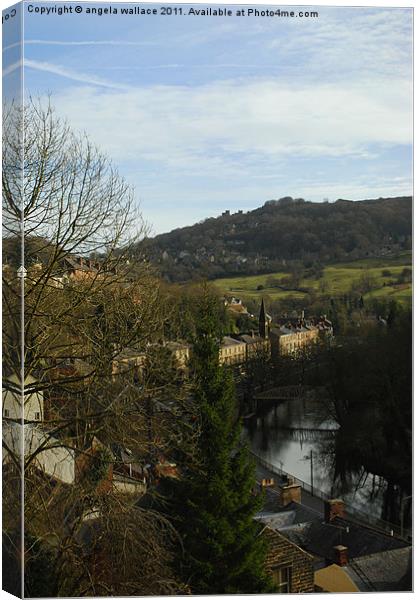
(299, 437)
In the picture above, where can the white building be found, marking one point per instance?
(42, 451)
(31, 400)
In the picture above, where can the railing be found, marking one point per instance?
(353, 513)
(278, 471)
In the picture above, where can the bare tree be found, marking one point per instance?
(70, 221)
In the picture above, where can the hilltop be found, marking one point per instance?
(282, 235)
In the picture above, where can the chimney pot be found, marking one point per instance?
(267, 482)
(341, 555)
(333, 508)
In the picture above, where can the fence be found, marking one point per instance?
(353, 513)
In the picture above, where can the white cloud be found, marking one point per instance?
(350, 43)
(235, 123)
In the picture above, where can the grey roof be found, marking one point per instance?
(282, 330)
(249, 339)
(320, 538)
(273, 510)
(229, 341)
(384, 572)
(306, 528)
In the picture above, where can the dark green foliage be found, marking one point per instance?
(183, 310)
(40, 578)
(223, 551)
(370, 384)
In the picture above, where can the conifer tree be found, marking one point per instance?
(223, 551)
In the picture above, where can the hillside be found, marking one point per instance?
(283, 235)
(385, 278)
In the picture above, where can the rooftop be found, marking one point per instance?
(307, 528)
(388, 571)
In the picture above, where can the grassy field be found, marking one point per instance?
(337, 279)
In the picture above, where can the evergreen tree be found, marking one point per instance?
(223, 551)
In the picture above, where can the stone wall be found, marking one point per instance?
(283, 553)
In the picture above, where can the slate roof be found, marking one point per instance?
(321, 537)
(293, 513)
(249, 339)
(229, 341)
(306, 528)
(387, 571)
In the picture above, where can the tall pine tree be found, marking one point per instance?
(223, 551)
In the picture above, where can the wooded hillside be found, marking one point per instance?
(281, 233)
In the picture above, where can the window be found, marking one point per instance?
(37, 416)
(282, 577)
(6, 412)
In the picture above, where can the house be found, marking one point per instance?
(291, 335)
(181, 354)
(383, 572)
(235, 305)
(256, 346)
(129, 360)
(27, 403)
(290, 567)
(289, 339)
(232, 352)
(334, 579)
(79, 269)
(43, 452)
(368, 558)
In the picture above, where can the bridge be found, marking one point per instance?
(308, 433)
(289, 392)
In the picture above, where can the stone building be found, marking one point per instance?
(288, 340)
(232, 352)
(290, 567)
(291, 335)
(363, 556)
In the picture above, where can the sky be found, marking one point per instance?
(206, 114)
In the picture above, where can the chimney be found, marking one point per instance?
(291, 492)
(267, 483)
(341, 555)
(333, 508)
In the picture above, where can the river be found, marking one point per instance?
(296, 433)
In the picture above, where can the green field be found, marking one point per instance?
(337, 279)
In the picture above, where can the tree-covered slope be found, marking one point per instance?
(280, 233)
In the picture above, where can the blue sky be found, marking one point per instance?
(203, 114)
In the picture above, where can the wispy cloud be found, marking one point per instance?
(72, 74)
(13, 67)
(363, 41)
(210, 66)
(80, 43)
